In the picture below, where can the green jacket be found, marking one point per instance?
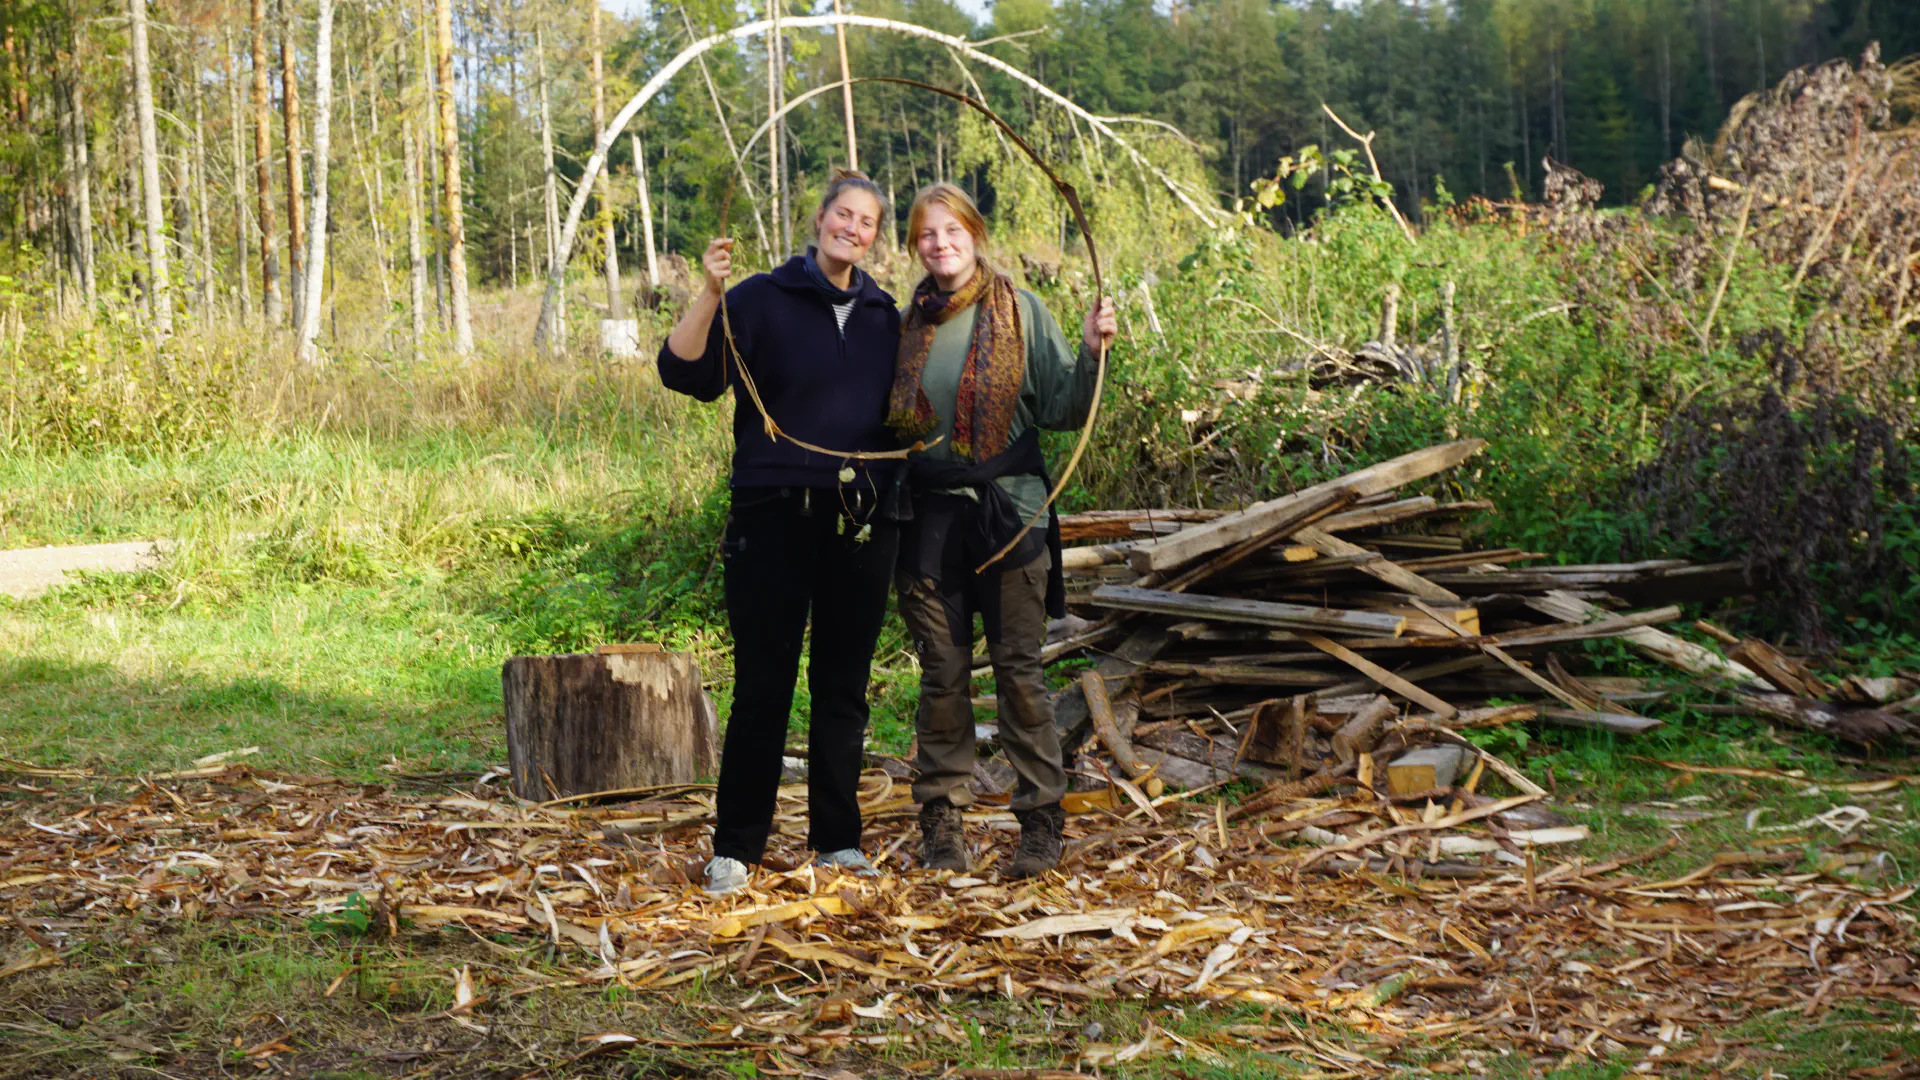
(1054, 396)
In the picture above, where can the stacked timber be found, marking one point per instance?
(1349, 632)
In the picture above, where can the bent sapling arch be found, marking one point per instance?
(577, 209)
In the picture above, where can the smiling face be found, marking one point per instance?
(848, 225)
(946, 247)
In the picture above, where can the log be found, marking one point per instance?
(1100, 711)
(585, 722)
(1361, 733)
(1866, 727)
(1197, 541)
(1070, 715)
(1225, 609)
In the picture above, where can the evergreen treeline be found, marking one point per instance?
(1467, 96)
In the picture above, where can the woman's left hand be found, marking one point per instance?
(1097, 330)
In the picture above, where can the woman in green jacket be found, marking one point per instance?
(983, 367)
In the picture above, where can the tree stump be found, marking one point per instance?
(586, 722)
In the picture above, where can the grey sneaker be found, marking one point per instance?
(848, 859)
(943, 836)
(725, 875)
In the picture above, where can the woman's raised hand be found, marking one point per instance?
(1097, 331)
(718, 263)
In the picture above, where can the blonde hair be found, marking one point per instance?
(956, 202)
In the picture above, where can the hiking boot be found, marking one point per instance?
(725, 875)
(1040, 842)
(848, 859)
(943, 836)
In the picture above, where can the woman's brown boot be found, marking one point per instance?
(1040, 841)
(943, 836)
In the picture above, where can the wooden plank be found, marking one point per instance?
(1070, 715)
(1244, 674)
(1305, 514)
(1361, 733)
(1368, 517)
(1100, 712)
(1199, 540)
(1662, 646)
(1260, 612)
(1385, 569)
(1381, 675)
(1611, 626)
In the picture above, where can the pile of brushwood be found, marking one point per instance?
(1343, 635)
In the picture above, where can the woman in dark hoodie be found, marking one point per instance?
(809, 533)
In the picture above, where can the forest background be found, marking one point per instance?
(270, 275)
(367, 508)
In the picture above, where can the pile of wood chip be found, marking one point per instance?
(1181, 902)
(1344, 635)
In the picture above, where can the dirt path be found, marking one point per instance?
(28, 572)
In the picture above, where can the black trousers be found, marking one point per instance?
(791, 553)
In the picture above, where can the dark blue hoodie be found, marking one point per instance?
(819, 384)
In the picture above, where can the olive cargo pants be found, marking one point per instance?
(942, 629)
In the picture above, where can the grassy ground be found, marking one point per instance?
(345, 603)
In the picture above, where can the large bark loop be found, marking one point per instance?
(597, 160)
(1072, 197)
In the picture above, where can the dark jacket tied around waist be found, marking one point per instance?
(820, 384)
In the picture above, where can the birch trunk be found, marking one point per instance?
(846, 92)
(316, 275)
(450, 169)
(236, 153)
(159, 294)
(263, 167)
(373, 200)
(296, 210)
(82, 180)
(773, 143)
(615, 309)
(550, 191)
(646, 209)
(430, 85)
(416, 251)
(203, 209)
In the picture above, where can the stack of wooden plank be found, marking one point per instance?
(1348, 627)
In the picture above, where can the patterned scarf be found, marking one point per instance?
(990, 380)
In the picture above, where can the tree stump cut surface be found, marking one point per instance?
(585, 722)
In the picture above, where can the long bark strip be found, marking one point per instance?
(322, 131)
(159, 294)
(450, 170)
(263, 166)
(296, 210)
(597, 160)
